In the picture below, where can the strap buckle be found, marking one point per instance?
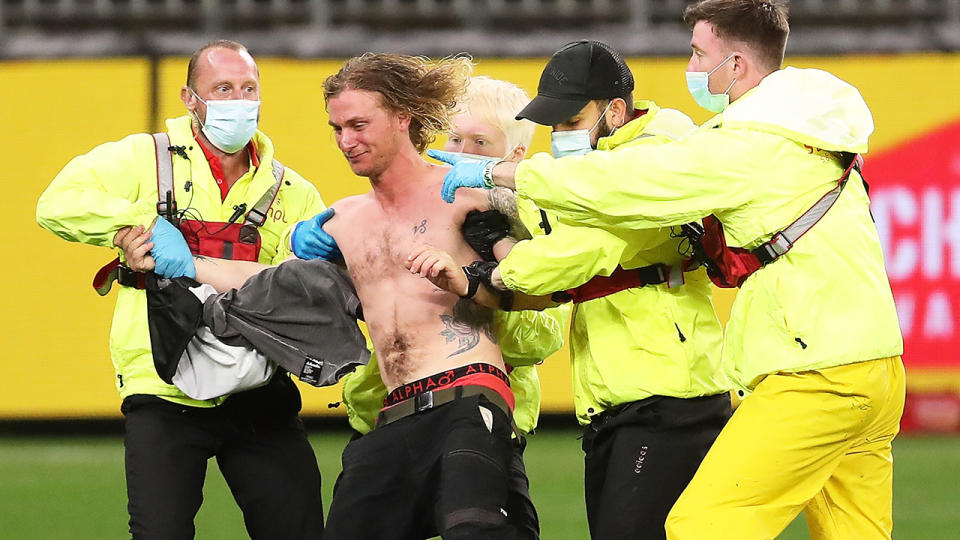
(663, 273)
(130, 278)
(424, 401)
(256, 217)
(772, 250)
(122, 274)
(675, 276)
(167, 208)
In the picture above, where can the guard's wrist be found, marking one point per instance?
(477, 272)
(488, 174)
(482, 272)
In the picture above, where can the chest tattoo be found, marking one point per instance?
(421, 228)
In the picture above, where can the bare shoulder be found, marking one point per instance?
(473, 199)
(349, 212)
(352, 204)
(500, 199)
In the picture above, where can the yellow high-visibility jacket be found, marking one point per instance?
(758, 166)
(115, 185)
(525, 338)
(640, 342)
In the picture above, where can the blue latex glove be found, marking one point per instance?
(466, 172)
(170, 251)
(309, 241)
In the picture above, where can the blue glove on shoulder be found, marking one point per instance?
(309, 241)
(467, 172)
(170, 251)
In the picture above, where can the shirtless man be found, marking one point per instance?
(437, 461)
(485, 125)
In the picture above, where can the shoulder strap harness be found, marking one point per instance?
(730, 266)
(167, 204)
(167, 208)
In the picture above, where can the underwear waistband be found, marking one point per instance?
(476, 374)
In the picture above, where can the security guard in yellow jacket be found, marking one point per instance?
(648, 385)
(813, 342)
(232, 200)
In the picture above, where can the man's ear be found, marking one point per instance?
(192, 103)
(403, 120)
(742, 65)
(189, 100)
(517, 154)
(617, 114)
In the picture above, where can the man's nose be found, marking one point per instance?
(347, 140)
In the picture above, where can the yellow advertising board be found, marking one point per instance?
(54, 340)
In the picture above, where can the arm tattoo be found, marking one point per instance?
(505, 201)
(466, 324)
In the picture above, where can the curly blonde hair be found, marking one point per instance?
(428, 91)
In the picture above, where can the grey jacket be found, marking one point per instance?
(301, 314)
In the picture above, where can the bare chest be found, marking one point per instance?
(384, 240)
(416, 327)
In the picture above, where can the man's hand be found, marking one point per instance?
(466, 172)
(170, 252)
(439, 267)
(309, 241)
(136, 245)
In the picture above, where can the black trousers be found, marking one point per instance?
(261, 448)
(442, 472)
(520, 507)
(640, 457)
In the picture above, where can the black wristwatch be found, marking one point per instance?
(473, 280)
(478, 272)
(482, 272)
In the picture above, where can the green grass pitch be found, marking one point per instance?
(73, 487)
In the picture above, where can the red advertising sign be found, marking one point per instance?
(915, 194)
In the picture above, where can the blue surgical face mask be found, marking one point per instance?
(230, 123)
(576, 142)
(479, 157)
(698, 83)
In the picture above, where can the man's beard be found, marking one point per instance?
(604, 129)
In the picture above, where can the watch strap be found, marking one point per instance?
(506, 300)
(473, 283)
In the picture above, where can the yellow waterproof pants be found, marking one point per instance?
(817, 441)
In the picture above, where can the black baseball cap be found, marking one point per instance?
(577, 74)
